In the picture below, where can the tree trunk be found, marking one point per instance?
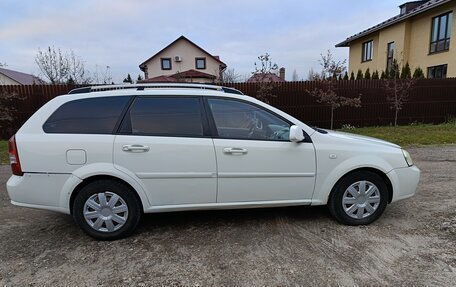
(396, 111)
(332, 117)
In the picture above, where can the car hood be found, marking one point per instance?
(364, 139)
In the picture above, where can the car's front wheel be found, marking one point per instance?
(359, 198)
(106, 210)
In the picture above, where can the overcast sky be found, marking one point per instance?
(122, 34)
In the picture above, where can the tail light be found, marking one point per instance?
(14, 157)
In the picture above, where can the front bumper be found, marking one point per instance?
(405, 182)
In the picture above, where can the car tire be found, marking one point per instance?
(359, 198)
(107, 210)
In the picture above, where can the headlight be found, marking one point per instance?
(407, 157)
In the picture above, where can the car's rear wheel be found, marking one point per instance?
(359, 198)
(107, 210)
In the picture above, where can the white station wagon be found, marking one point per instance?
(108, 154)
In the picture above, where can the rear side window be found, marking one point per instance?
(164, 116)
(87, 116)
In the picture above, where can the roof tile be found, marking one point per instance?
(21, 78)
(393, 20)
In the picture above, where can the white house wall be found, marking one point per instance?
(4, 80)
(188, 53)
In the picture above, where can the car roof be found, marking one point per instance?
(113, 89)
(150, 93)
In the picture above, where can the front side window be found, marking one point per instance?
(166, 63)
(239, 120)
(164, 116)
(87, 116)
(437, 71)
(200, 63)
(367, 51)
(389, 56)
(441, 33)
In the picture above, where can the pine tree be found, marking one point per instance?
(393, 72)
(418, 73)
(128, 79)
(70, 81)
(359, 75)
(383, 75)
(346, 76)
(375, 75)
(139, 79)
(367, 75)
(406, 73)
(352, 76)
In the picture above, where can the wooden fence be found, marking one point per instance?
(430, 101)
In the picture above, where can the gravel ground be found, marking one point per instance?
(413, 244)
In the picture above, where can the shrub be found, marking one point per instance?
(359, 75)
(418, 73)
(367, 75)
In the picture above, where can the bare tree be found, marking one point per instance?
(101, 75)
(398, 90)
(53, 65)
(313, 76)
(326, 93)
(76, 70)
(331, 69)
(59, 67)
(295, 76)
(263, 76)
(230, 76)
(266, 66)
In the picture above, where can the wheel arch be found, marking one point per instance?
(95, 178)
(92, 172)
(380, 173)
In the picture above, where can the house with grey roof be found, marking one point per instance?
(10, 77)
(422, 34)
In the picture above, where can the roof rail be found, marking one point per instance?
(140, 87)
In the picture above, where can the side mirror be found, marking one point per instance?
(296, 134)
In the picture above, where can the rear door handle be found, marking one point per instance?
(235, 150)
(135, 148)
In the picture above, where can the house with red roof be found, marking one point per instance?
(10, 77)
(268, 77)
(182, 61)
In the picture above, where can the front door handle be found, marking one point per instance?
(135, 148)
(235, 150)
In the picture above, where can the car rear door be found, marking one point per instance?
(163, 141)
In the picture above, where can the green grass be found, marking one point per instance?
(415, 134)
(4, 152)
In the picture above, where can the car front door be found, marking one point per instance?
(256, 161)
(162, 141)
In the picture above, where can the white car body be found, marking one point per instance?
(185, 173)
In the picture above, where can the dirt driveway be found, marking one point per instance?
(413, 244)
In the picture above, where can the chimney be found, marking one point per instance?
(409, 6)
(282, 73)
